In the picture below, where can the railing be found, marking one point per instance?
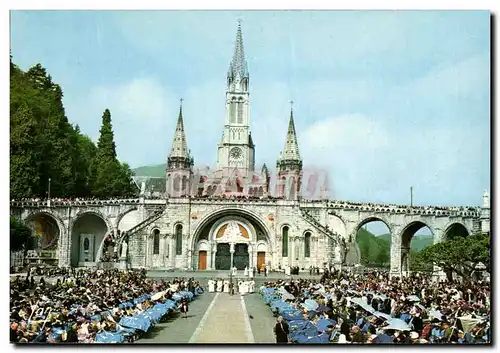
(333, 237)
(64, 203)
(462, 211)
(157, 213)
(41, 254)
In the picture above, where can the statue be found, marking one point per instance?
(124, 249)
(246, 271)
(143, 188)
(486, 199)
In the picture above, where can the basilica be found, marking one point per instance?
(231, 216)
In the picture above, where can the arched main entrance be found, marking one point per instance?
(230, 238)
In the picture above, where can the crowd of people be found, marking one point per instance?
(330, 203)
(374, 308)
(88, 306)
(70, 201)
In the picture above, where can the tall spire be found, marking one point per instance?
(179, 144)
(291, 151)
(238, 64)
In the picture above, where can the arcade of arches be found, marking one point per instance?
(231, 241)
(379, 252)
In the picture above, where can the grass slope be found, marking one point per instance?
(418, 243)
(156, 171)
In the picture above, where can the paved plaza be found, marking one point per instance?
(216, 317)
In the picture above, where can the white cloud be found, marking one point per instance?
(142, 113)
(457, 80)
(138, 100)
(354, 131)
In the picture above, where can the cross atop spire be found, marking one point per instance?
(238, 64)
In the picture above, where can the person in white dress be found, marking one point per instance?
(235, 271)
(219, 285)
(250, 273)
(245, 273)
(240, 287)
(211, 286)
(226, 286)
(251, 286)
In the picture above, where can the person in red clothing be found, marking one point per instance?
(426, 331)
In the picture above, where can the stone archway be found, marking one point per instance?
(48, 230)
(407, 235)
(223, 250)
(353, 255)
(88, 233)
(454, 230)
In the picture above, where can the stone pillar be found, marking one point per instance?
(172, 251)
(163, 250)
(437, 273)
(395, 254)
(209, 256)
(254, 254)
(231, 250)
(300, 254)
(405, 261)
(64, 248)
(189, 258)
(291, 250)
(315, 241)
(214, 254)
(250, 255)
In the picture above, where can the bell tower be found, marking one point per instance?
(236, 149)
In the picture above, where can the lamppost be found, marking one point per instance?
(48, 194)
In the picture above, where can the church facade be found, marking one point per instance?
(231, 216)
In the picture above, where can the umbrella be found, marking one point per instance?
(382, 315)
(380, 296)
(363, 304)
(382, 339)
(413, 298)
(480, 266)
(397, 324)
(435, 314)
(323, 324)
(353, 292)
(323, 308)
(468, 322)
(310, 305)
(158, 295)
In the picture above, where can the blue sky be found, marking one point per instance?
(384, 100)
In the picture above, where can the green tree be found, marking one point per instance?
(458, 255)
(24, 155)
(21, 237)
(45, 145)
(109, 177)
